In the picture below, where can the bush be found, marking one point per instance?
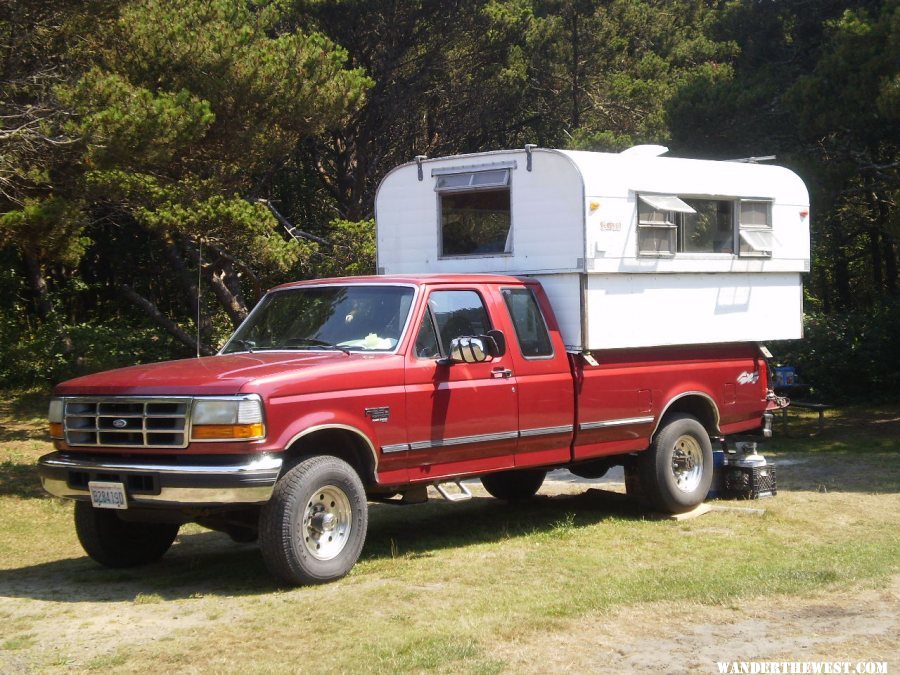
(55, 351)
(848, 357)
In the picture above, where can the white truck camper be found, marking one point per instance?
(633, 249)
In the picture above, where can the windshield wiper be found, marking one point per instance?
(313, 342)
(249, 345)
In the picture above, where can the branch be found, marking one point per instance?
(170, 326)
(243, 267)
(291, 230)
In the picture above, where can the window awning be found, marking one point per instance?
(666, 203)
(758, 240)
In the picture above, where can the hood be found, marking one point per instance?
(210, 375)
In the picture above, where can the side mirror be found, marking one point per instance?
(467, 349)
(477, 348)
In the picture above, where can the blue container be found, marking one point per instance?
(718, 474)
(785, 376)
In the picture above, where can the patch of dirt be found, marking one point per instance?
(74, 634)
(854, 625)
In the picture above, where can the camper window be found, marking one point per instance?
(668, 225)
(475, 213)
(710, 229)
(755, 221)
(656, 223)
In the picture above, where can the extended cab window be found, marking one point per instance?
(531, 330)
(450, 315)
(475, 212)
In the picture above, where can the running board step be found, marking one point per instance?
(460, 496)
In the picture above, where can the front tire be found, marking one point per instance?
(313, 528)
(677, 470)
(514, 486)
(117, 543)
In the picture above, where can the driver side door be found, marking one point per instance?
(462, 417)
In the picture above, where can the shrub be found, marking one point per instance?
(851, 356)
(57, 351)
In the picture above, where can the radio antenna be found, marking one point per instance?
(199, 282)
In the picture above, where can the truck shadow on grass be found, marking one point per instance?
(20, 480)
(207, 563)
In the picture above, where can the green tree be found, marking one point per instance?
(187, 113)
(816, 84)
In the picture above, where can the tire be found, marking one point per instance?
(514, 486)
(313, 528)
(117, 543)
(676, 472)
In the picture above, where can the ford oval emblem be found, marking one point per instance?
(120, 423)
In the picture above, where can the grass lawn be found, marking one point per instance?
(577, 579)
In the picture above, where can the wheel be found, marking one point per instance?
(514, 486)
(676, 472)
(114, 542)
(313, 528)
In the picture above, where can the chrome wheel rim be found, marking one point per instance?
(687, 463)
(326, 522)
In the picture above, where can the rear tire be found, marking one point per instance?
(117, 543)
(514, 486)
(313, 528)
(677, 470)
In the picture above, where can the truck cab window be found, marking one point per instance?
(450, 314)
(426, 339)
(531, 331)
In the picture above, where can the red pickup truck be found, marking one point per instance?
(340, 391)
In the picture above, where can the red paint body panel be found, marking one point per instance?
(463, 419)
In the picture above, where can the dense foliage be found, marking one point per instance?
(154, 154)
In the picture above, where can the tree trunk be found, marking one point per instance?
(232, 305)
(841, 271)
(875, 255)
(575, 120)
(38, 285)
(188, 282)
(890, 263)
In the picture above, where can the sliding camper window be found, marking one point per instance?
(755, 223)
(657, 228)
(475, 215)
(669, 224)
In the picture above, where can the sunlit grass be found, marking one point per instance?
(440, 585)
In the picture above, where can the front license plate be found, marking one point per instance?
(107, 495)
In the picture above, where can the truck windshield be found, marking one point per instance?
(351, 317)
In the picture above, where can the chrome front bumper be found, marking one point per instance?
(154, 483)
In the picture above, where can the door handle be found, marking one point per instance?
(501, 373)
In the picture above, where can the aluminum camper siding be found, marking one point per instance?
(574, 227)
(547, 213)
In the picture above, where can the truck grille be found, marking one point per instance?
(127, 422)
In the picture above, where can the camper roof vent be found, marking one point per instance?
(645, 151)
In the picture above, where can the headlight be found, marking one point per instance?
(227, 419)
(55, 417)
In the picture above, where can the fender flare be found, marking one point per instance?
(702, 394)
(367, 442)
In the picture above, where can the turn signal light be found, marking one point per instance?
(220, 432)
(56, 430)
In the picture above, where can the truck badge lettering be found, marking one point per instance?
(120, 423)
(748, 378)
(378, 414)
